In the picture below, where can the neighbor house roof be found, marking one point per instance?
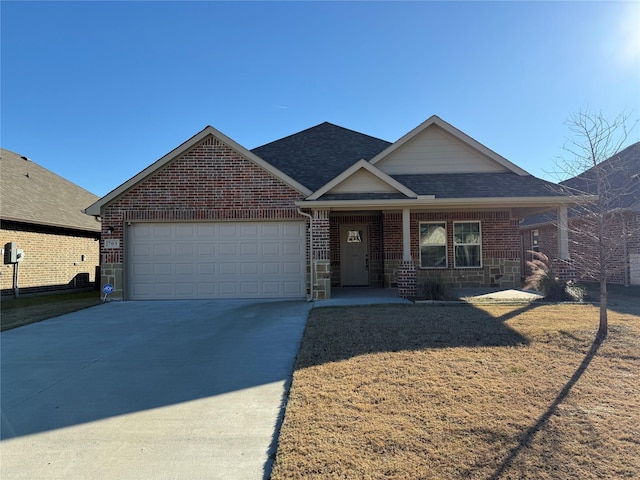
(622, 174)
(32, 194)
(316, 155)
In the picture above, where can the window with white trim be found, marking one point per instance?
(467, 244)
(535, 236)
(433, 245)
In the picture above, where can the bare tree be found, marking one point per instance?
(599, 231)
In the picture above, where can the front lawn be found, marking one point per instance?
(27, 309)
(480, 392)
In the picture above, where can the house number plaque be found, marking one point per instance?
(112, 243)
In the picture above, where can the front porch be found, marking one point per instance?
(388, 250)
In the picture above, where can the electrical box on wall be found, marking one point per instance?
(11, 253)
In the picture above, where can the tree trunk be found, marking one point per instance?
(602, 330)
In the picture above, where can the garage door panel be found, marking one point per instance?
(216, 260)
(228, 249)
(271, 268)
(162, 269)
(249, 249)
(249, 268)
(162, 231)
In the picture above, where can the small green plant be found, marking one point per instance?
(544, 279)
(434, 288)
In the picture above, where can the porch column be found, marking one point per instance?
(320, 259)
(563, 266)
(406, 235)
(407, 281)
(563, 234)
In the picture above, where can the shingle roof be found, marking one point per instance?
(622, 172)
(479, 185)
(32, 194)
(316, 155)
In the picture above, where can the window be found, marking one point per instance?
(467, 244)
(534, 240)
(433, 245)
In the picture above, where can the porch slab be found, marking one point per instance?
(361, 296)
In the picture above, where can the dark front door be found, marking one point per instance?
(354, 255)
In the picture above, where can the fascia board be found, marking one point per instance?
(444, 203)
(460, 135)
(360, 164)
(95, 208)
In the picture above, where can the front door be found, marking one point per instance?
(354, 255)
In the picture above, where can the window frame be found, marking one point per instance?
(535, 240)
(455, 244)
(445, 244)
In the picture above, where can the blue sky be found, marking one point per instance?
(97, 91)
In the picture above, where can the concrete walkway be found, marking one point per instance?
(148, 390)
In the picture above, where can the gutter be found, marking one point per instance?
(311, 269)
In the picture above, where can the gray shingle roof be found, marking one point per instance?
(316, 155)
(32, 194)
(479, 185)
(622, 172)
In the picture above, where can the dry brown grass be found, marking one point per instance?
(484, 392)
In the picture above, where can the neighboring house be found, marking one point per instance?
(42, 214)
(622, 174)
(324, 207)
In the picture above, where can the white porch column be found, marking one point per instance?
(563, 234)
(406, 235)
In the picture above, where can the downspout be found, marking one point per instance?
(311, 269)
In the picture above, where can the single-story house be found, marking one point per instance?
(41, 214)
(321, 208)
(622, 178)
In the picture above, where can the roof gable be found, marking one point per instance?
(362, 177)
(436, 147)
(316, 155)
(32, 194)
(176, 153)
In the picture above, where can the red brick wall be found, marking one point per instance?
(500, 236)
(582, 248)
(210, 182)
(52, 261)
(500, 233)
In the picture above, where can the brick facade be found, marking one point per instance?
(55, 259)
(210, 182)
(623, 236)
(500, 249)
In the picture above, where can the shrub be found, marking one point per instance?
(434, 288)
(544, 279)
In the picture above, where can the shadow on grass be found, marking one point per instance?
(527, 438)
(334, 334)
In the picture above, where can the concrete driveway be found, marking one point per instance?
(148, 390)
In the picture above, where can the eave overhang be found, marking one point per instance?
(520, 206)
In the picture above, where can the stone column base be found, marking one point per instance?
(322, 280)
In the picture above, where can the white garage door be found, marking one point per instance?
(216, 260)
